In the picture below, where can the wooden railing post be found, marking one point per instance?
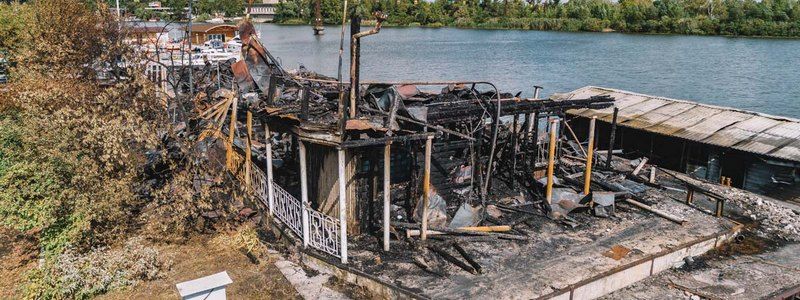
(342, 207)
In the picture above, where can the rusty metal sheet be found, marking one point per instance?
(358, 124)
(242, 76)
(709, 126)
(741, 131)
(660, 114)
(634, 111)
(790, 151)
(622, 100)
(772, 140)
(685, 120)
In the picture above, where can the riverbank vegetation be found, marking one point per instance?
(97, 166)
(778, 18)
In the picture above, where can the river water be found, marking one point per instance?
(748, 73)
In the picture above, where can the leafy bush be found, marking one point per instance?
(77, 275)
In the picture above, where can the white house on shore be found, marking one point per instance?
(263, 10)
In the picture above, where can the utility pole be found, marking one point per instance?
(191, 62)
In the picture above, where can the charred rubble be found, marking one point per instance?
(449, 163)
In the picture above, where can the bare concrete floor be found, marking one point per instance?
(556, 256)
(724, 276)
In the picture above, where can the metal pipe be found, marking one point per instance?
(551, 161)
(387, 188)
(342, 120)
(536, 90)
(380, 17)
(587, 182)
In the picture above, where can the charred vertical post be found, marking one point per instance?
(514, 148)
(270, 188)
(535, 137)
(551, 154)
(248, 151)
(304, 192)
(612, 135)
(272, 90)
(387, 188)
(426, 186)
(587, 181)
(342, 206)
(231, 134)
(304, 102)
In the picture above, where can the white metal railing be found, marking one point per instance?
(288, 209)
(258, 181)
(323, 230)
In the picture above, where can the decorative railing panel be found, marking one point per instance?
(258, 181)
(323, 232)
(288, 209)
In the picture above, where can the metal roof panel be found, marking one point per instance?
(709, 126)
(685, 120)
(660, 114)
(741, 131)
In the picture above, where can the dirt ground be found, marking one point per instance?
(197, 257)
(204, 256)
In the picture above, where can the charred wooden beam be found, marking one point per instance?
(452, 259)
(384, 140)
(468, 258)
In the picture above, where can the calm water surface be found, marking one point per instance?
(754, 74)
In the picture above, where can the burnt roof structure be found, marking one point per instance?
(771, 136)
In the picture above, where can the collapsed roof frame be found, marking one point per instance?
(284, 103)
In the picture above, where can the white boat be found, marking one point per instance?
(216, 21)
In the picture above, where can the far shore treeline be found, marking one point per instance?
(769, 18)
(778, 18)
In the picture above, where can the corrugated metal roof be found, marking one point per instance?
(773, 136)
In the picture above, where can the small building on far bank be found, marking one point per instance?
(263, 11)
(756, 152)
(202, 33)
(147, 35)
